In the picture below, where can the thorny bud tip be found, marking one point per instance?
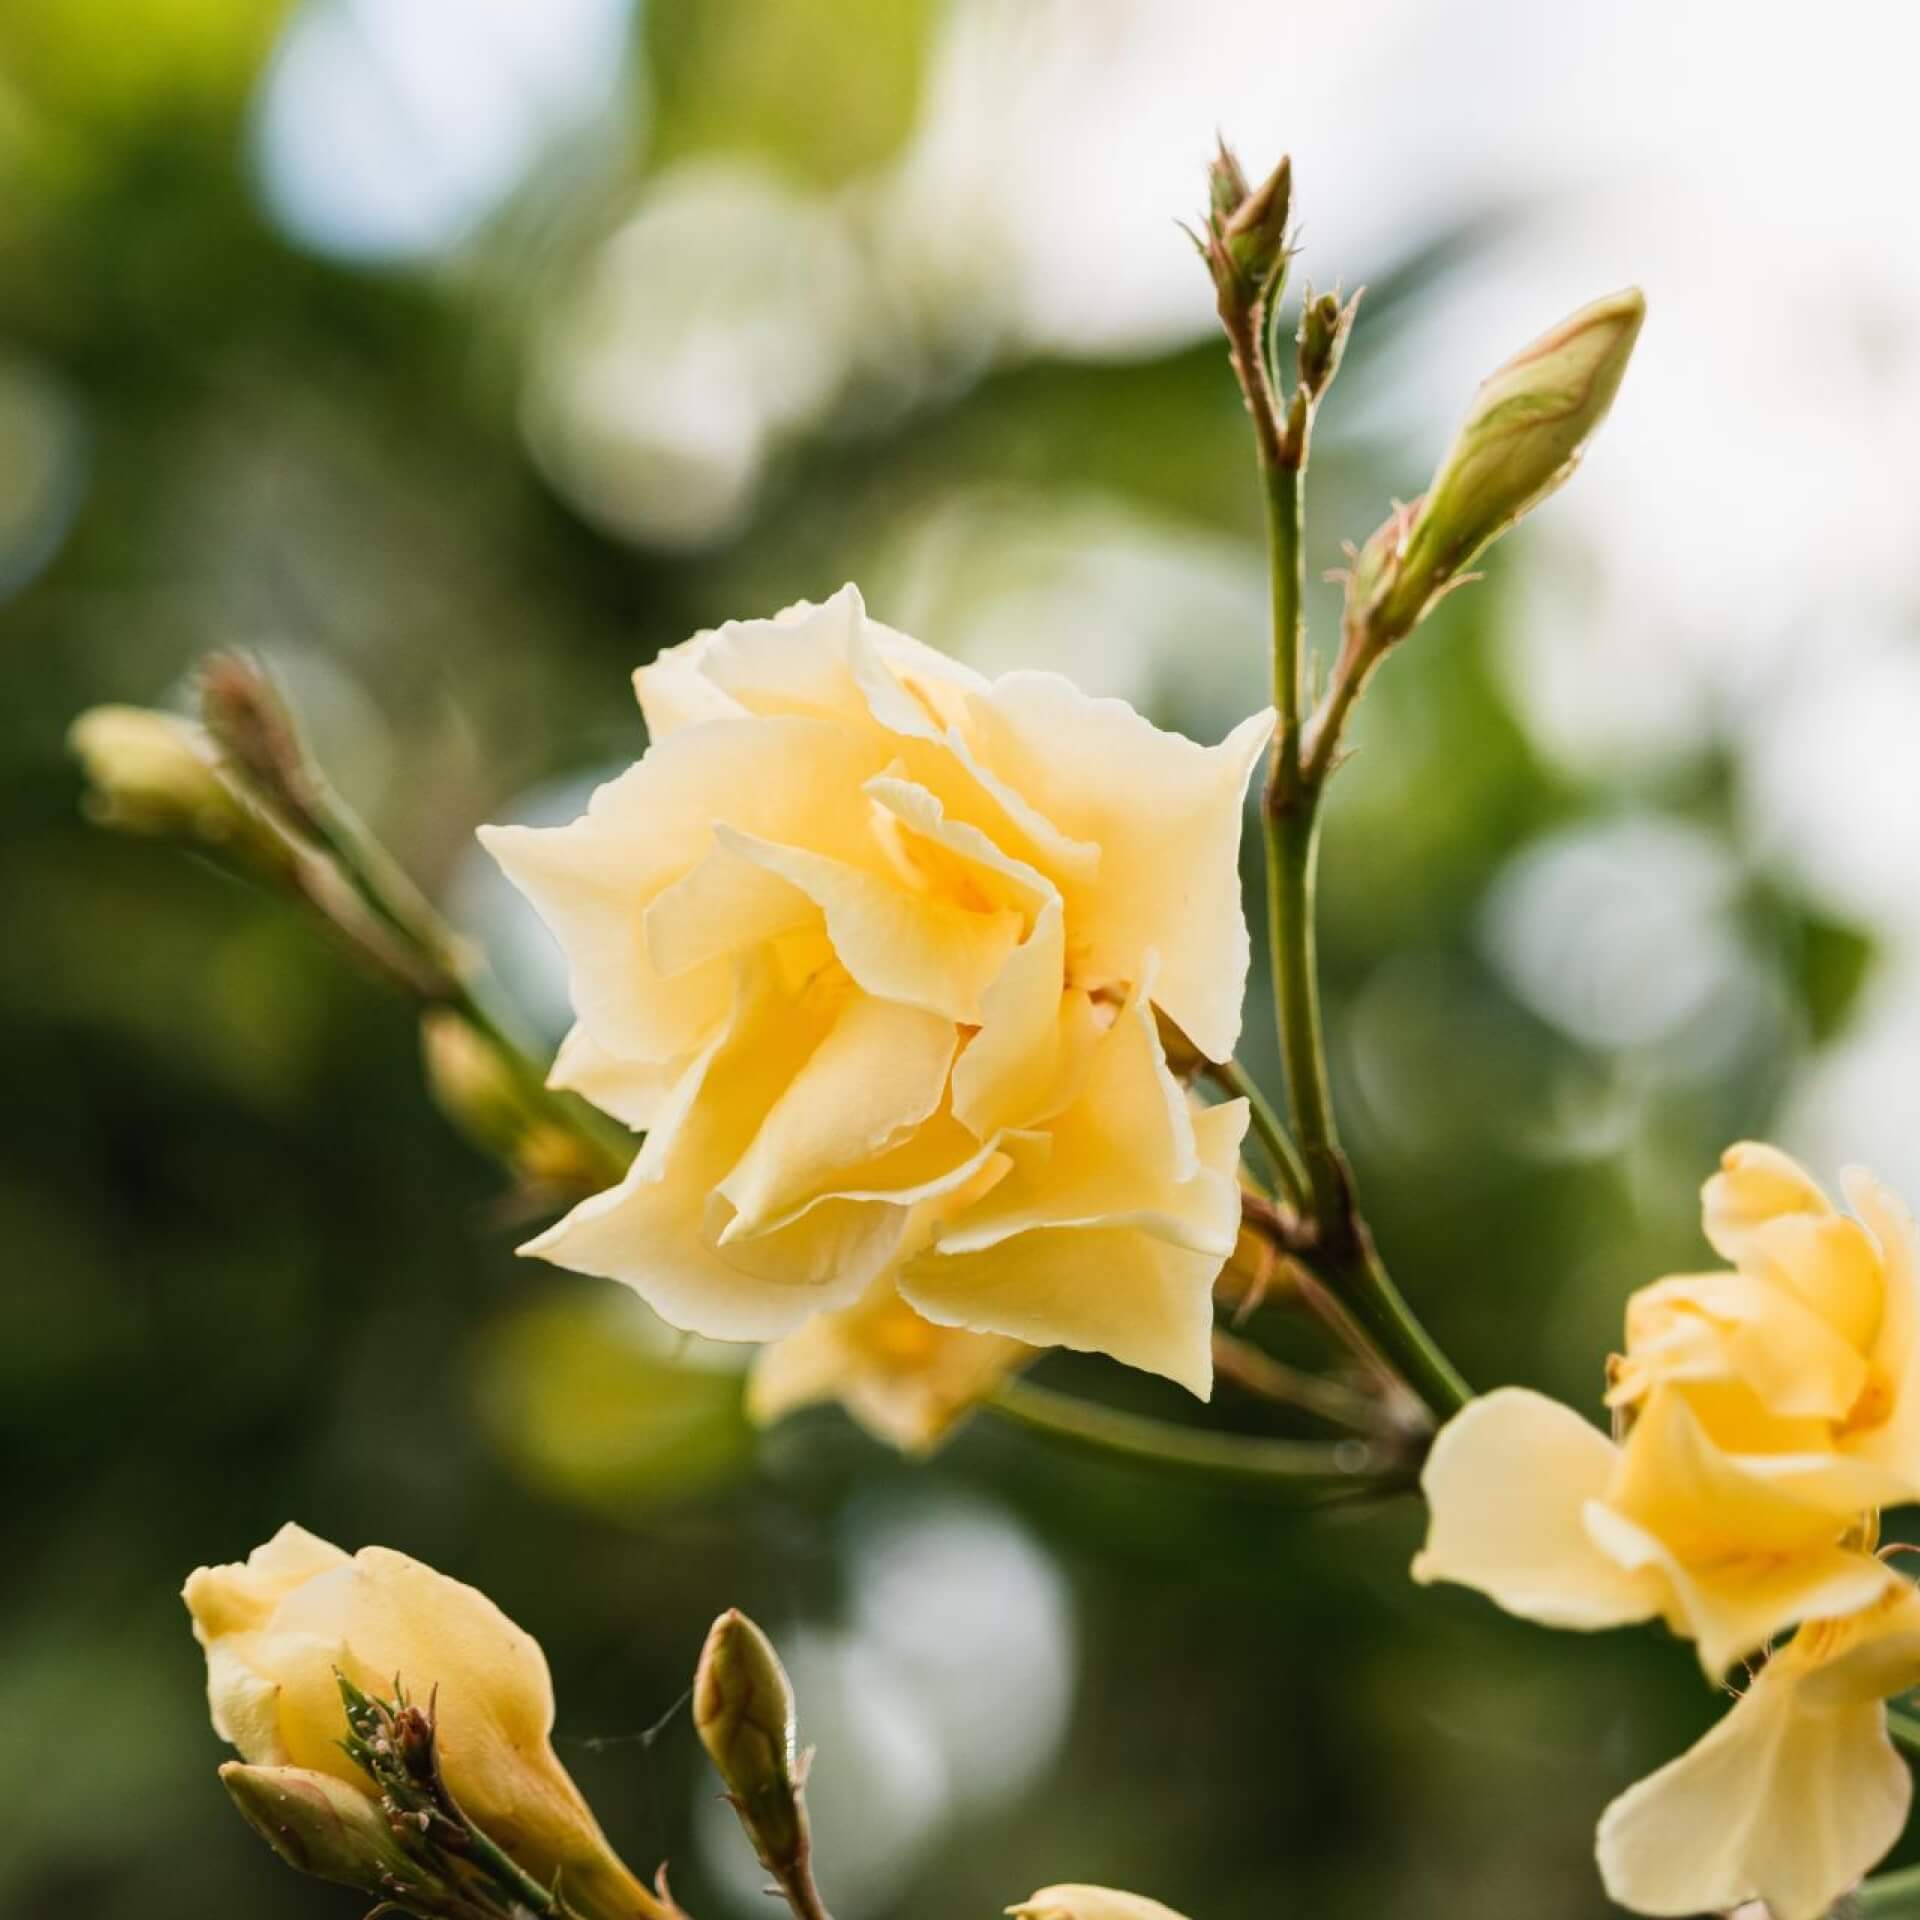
(1255, 232)
(743, 1710)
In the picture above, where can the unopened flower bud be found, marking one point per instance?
(743, 1710)
(151, 772)
(1521, 439)
(1254, 232)
(472, 1085)
(321, 1825)
(154, 773)
(1090, 1903)
(1322, 340)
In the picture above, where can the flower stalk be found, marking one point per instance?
(1334, 1240)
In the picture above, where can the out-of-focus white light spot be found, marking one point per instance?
(1858, 1103)
(878, 1791)
(1830, 782)
(1618, 933)
(1121, 603)
(387, 129)
(484, 901)
(716, 320)
(975, 1616)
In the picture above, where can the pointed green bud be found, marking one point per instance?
(1254, 233)
(321, 1825)
(1521, 440)
(1322, 339)
(744, 1713)
(1226, 184)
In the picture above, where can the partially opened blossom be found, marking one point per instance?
(1793, 1796)
(1547, 1516)
(1811, 1345)
(872, 948)
(1770, 1411)
(282, 1627)
(906, 1380)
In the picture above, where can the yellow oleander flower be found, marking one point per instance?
(1552, 1520)
(278, 1627)
(1810, 1346)
(872, 948)
(906, 1380)
(1793, 1796)
(1089, 1903)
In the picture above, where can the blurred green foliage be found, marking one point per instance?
(249, 1274)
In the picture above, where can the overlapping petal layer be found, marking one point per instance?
(872, 947)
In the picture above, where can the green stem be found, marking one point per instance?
(1231, 1077)
(1889, 1894)
(1904, 1726)
(1344, 1255)
(1311, 1469)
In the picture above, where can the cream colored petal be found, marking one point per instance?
(1777, 1803)
(1508, 1483)
(656, 1231)
(1756, 1183)
(674, 693)
(1123, 1155)
(1036, 1042)
(880, 1072)
(904, 1379)
(721, 906)
(1705, 1503)
(1711, 1326)
(1168, 829)
(634, 1093)
(1732, 1605)
(240, 1596)
(1078, 1902)
(1112, 1290)
(1103, 1288)
(1864, 1658)
(1892, 1440)
(795, 663)
(243, 1697)
(897, 945)
(593, 879)
(960, 860)
(1828, 1261)
(1748, 1545)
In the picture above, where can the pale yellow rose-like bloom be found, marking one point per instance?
(279, 1626)
(871, 948)
(1551, 1519)
(1089, 1903)
(906, 1380)
(1810, 1346)
(1793, 1796)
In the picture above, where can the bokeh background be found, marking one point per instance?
(458, 354)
